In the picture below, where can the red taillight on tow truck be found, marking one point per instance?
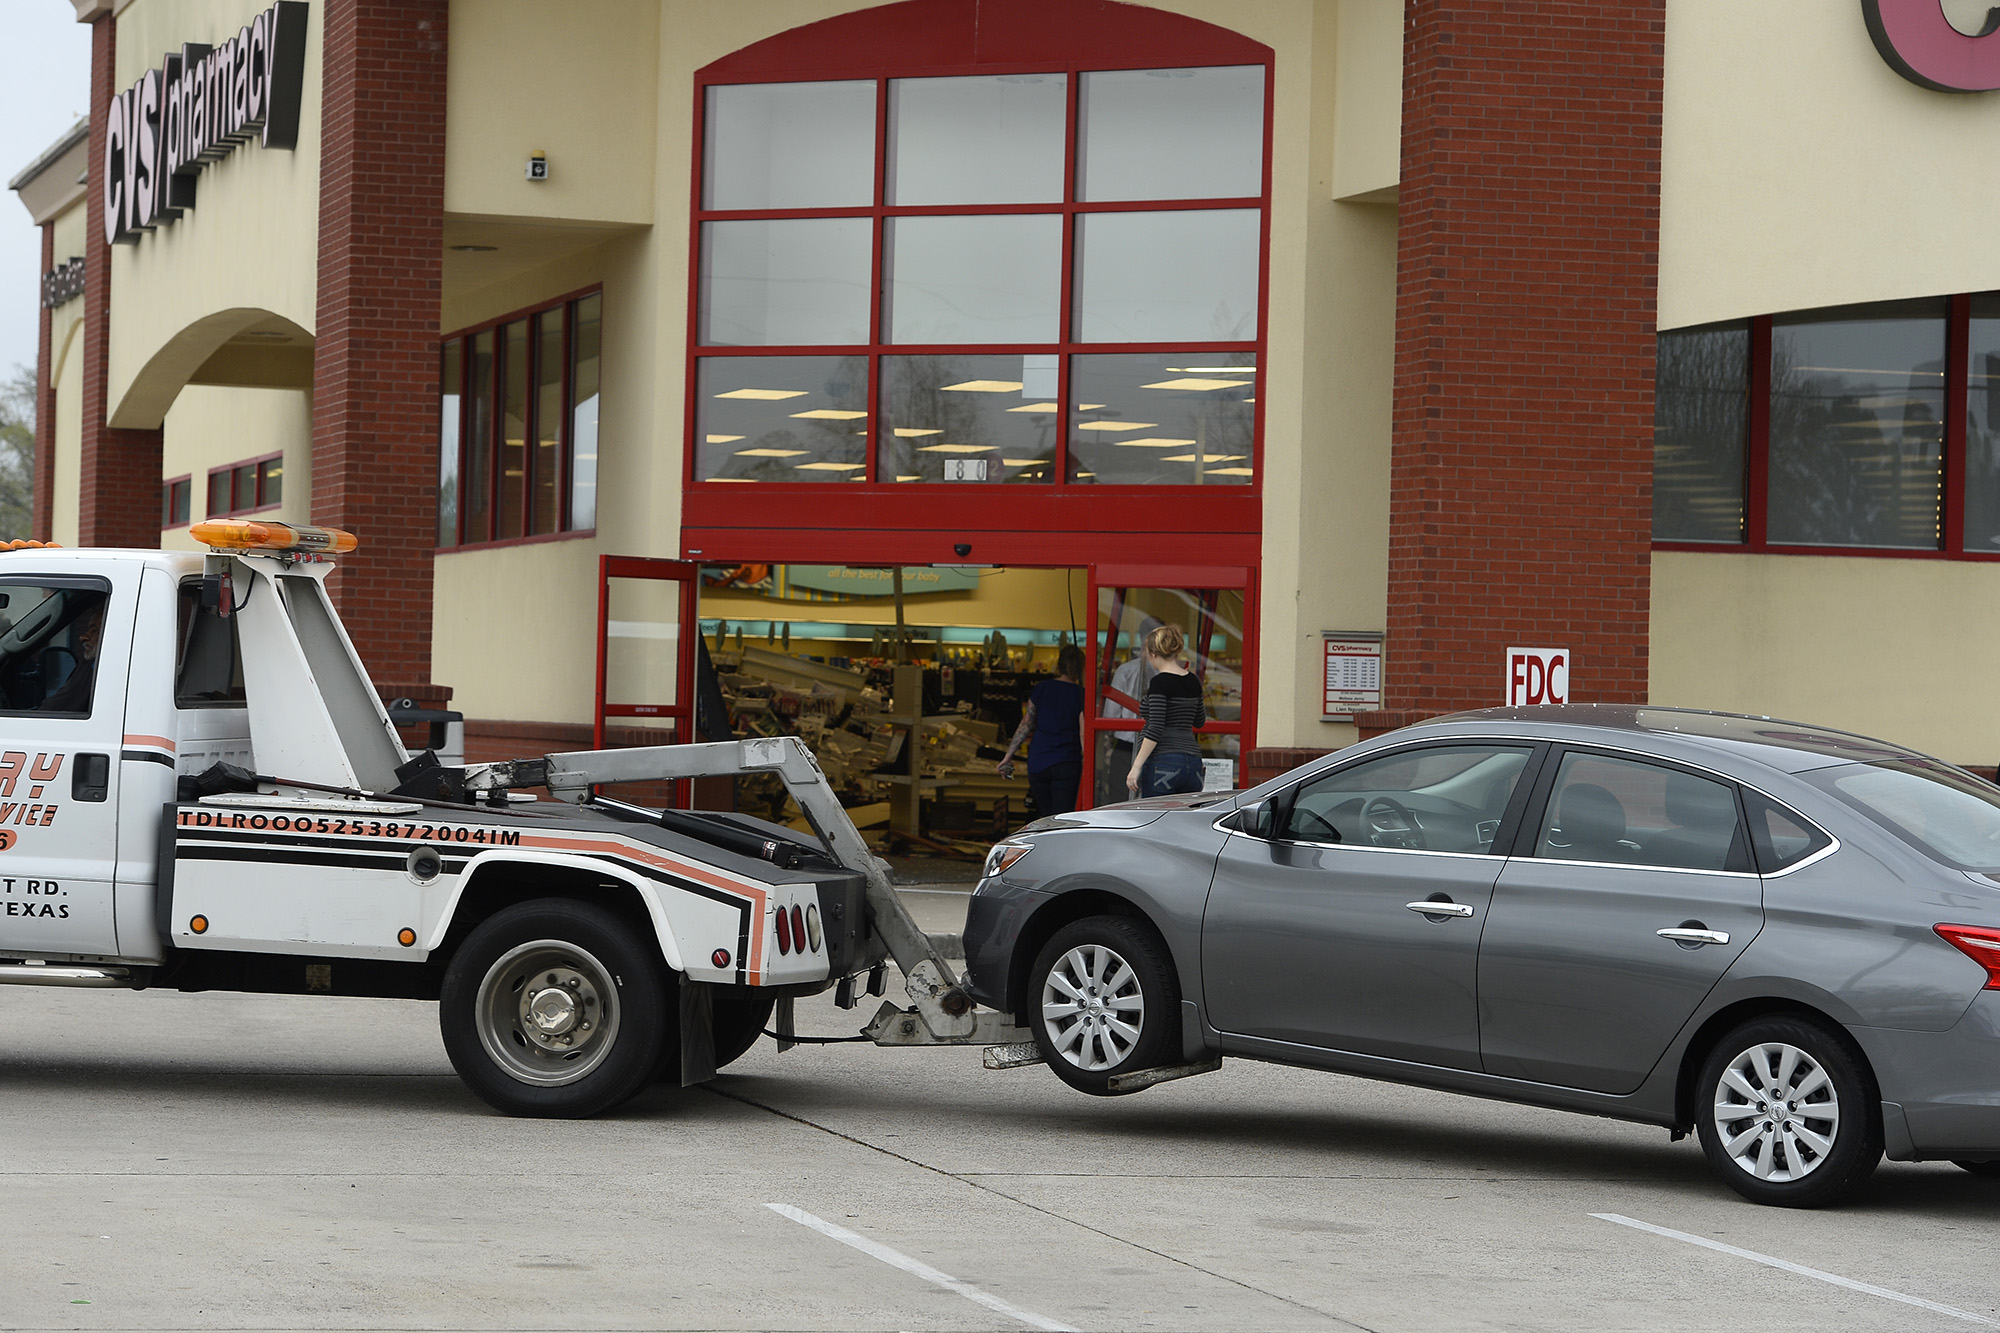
(784, 932)
(798, 928)
(1979, 943)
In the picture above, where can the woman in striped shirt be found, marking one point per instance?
(1169, 757)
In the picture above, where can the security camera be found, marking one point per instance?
(962, 550)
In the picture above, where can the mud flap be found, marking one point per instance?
(697, 1013)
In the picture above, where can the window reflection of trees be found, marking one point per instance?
(1856, 455)
(1701, 424)
(914, 397)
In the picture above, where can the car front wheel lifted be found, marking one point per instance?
(1104, 1000)
(554, 1008)
(1788, 1112)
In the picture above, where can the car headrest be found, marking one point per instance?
(1591, 815)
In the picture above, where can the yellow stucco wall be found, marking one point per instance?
(1901, 649)
(536, 602)
(210, 427)
(1799, 170)
(584, 95)
(247, 250)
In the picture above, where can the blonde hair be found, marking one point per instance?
(1166, 643)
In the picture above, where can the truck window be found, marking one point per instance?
(50, 632)
(208, 668)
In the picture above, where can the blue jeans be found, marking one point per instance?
(1171, 774)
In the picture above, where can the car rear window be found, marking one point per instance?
(1947, 815)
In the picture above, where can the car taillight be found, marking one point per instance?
(799, 927)
(1979, 943)
(784, 932)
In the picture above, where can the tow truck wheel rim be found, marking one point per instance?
(547, 1012)
(1093, 1007)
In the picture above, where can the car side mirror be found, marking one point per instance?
(1257, 819)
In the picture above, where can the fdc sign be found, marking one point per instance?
(1537, 676)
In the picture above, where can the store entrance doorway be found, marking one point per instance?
(909, 684)
(1211, 608)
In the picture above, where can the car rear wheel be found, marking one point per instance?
(554, 1008)
(1104, 1000)
(1788, 1113)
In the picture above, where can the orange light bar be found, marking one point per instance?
(26, 544)
(241, 534)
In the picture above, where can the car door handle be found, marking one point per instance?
(1440, 909)
(1686, 935)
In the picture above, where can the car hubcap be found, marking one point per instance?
(1776, 1113)
(1093, 1007)
(546, 1012)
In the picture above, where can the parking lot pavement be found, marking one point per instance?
(230, 1162)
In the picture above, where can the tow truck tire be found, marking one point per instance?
(554, 1008)
(1103, 999)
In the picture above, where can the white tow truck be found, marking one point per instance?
(200, 790)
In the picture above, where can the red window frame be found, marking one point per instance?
(565, 307)
(936, 38)
(1757, 456)
(167, 487)
(258, 504)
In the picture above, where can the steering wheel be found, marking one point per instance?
(1410, 834)
(1302, 815)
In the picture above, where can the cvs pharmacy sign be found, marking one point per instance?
(1537, 676)
(1919, 43)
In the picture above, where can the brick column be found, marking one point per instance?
(1527, 256)
(119, 469)
(375, 362)
(43, 522)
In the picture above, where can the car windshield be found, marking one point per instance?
(1947, 815)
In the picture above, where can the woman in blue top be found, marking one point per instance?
(1053, 717)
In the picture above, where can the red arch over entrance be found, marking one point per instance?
(923, 36)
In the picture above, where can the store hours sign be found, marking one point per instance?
(195, 109)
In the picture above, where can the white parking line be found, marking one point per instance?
(897, 1259)
(1866, 1288)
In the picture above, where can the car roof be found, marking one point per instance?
(1791, 747)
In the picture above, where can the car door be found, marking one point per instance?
(1351, 921)
(1630, 893)
(65, 647)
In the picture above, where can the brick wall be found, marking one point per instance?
(375, 363)
(43, 523)
(120, 469)
(1521, 468)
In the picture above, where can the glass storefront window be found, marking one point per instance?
(1183, 419)
(517, 427)
(790, 145)
(514, 427)
(782, 418)
(906, 264)
(991, 139)
(586, 372)
(1172, 134)
(1982, 427)
(477, 503)
(449, 396)
(1701, 423)
(547, 459)
(1857, 426)
(941, 413)
(974, 279)
(787, 282)
(1181, 276)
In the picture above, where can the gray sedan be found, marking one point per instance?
(1782, 937)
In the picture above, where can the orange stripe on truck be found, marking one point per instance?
(152, 742)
